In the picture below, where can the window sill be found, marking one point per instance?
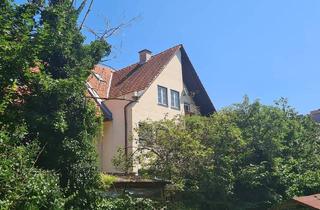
(164, 105)
(175, 108)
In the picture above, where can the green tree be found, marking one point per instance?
(22, 185)
(280, 159)
(247, 156)
(44, 64)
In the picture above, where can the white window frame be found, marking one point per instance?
(175, 99)
(162, 95)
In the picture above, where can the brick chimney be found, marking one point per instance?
(144, 55)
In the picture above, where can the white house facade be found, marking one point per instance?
(158, 86)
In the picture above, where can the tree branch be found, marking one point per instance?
(110, 31)
(38, 156)
(87, 12)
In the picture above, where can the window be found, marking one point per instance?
(162, 96)
(98, 76)
(175, 99)
(187, 108)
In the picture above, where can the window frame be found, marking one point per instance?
(173, 99)
(162, 96)
(185, 104)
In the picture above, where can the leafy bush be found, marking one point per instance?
(107, 180)
(127, 203)
(22, 185)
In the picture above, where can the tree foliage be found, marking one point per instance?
(22, 185)
(247, 156)
(44, 64)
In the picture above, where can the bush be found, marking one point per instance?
(127, 203)
(107, 180)
(22, 185)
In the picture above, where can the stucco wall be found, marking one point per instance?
(113, 134)
(148, 107)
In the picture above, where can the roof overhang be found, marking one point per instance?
(193, 84)
(107, 114)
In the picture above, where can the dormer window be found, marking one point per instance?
(175, 99)
(162, 96)
(98, 76)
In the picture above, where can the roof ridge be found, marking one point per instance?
(106, 66)
(136, 63)
(179, 45)
(139, 76)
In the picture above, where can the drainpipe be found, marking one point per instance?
(125, 117)
(126, 128)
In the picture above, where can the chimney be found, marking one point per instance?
(144, 55)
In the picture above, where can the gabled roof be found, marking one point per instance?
(139, 76)
(114, 84)
(194, 85)
(100, 80)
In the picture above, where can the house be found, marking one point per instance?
(315, 115)
(157, 86)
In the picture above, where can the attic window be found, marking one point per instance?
(98, 76)
(162, 96)
(175, 99)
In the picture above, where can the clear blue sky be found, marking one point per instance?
(266, 49)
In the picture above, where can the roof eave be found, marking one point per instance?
(193, 83)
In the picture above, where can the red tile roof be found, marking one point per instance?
(139, 76)
(312, 201)
(131, 78)
(136, 77)
(100, 79)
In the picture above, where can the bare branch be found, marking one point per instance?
(72, 2)
(110, 31)
(87, 12)
(38, 156)
(80, 8)
(96, 34)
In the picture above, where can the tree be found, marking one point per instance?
(281, 158)
(44, 64)
(22, 185)
(247, 156)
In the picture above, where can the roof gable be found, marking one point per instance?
(194, 85)
(100, 80)
(108, 83)
(137, 76)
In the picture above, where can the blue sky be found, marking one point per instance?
(266, 49)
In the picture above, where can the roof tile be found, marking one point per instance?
(100, 86)
(139, 76)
